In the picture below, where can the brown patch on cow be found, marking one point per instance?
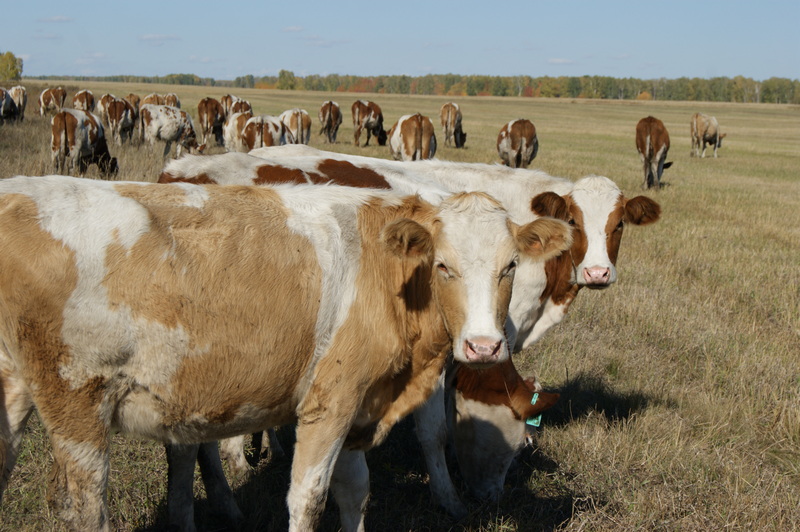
(268, 174)
(199, 179)
(347, 174)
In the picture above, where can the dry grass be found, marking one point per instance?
(680, 385)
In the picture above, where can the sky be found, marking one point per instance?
(224, 40)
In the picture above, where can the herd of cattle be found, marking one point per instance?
(237, 295)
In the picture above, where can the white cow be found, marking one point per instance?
(168, 124)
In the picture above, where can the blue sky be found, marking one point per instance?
(223, 40)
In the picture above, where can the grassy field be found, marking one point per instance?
(680, 385)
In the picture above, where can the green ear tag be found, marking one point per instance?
(534, 421)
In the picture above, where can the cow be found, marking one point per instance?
(652, 142)
(101, 107)
(211, 116)
(264, 131)
(8, 108)
(172, 100)
(125, 302)
(121, 120)
(83, 101)
(298, 123)
(450, 117)
(152, 99)
(367, 116)
(517, 143)
(240, 106)
(52, 100)
(77, 141)
(227, 101)
(20, 97)
(232, 131)
(135, 101)
(704, 130)
(412, 138)
(168, 124)
(330, 118)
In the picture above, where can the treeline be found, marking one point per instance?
(718, 89)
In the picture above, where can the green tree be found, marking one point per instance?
(10, 66)
(286, 80)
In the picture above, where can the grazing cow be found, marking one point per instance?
(168, 124)
(450, 116)
(704, 130)
(134, 101)
(8, 108)
(101, 107)
(78, 140)
(240, 106)
(83, 101)
(152, 99)
(652, 141)
(20, 97)
(298, 123)
(211, 116)
(52, 100)
(517, 143)
(367, 116)
(354, 329)
(232, 131)
(264, 131)
(227, 101)
(330, 117)
(412, 138)
(172, 100)
(121, 120)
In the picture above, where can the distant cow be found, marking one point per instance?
(152, 99)
(77, 141)
(168, 124)
(20, 97)
(125, 303)
(101, 107)
(517, 143)
(135, 102)
(52, 100)
(240, 106)
(367, 116)
(450, 117)
(704, 130)
(232, 131)
(211, 116)
(265, 131)
(298, 123)
(172, 100)
(121, 120)
(412, 138)
(8, 108)
(652, 141)
(330, 118)
(227, 101)
(83, 101)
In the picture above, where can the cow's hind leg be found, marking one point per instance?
(16, 410)
(350, 487)
(218, 491)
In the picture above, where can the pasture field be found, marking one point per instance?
(680, 406)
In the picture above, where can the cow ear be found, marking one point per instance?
(543, 239)
(544, 401)
(641, 210)
(407, 238)
(550, 204)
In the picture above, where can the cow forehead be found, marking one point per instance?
(477, 225)
(597, 197)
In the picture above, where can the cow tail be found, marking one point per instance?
(523, 147)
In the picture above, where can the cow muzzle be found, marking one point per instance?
(484, 350)
(597, 277)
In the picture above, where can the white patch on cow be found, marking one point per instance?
(597, 197)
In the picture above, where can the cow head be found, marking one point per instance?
(459, 137)
(597, 212)
(476, 253)
(496, 412)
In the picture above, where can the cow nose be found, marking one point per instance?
(482, 349)
(596, 275)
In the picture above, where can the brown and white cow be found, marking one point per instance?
(227, 101)
(20, 97)
(298, 123)
(412, 138)
(101, 107)
(652, 142)
(517, 143)
(354, 324)
(211, 116)
(77, 141)
(172, 100)
(135, 101)
(452, 131)
(240, 106)
(704, 130)
(52, 100)
(330, 118)
(83, 101)
(152, 99)
(8, 107)
(232, 131)
(121, 120)
(168, 124)
(367, 116)
(264, 131)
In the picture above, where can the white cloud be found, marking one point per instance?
(157, 39)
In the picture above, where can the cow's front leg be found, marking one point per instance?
(350, 487)
(218, 490)
(180, 478)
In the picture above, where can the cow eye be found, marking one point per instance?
(572, 222)
(443, 269)
(620, 226)
(510, 269)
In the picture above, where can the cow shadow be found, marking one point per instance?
(400, 497)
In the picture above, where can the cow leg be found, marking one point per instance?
(218, 491)
(232, 450)
(431, 425)
(180, 479)
(356, 135)
(16, 410)
(275, 447)
(350, 487)
(167, 147)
